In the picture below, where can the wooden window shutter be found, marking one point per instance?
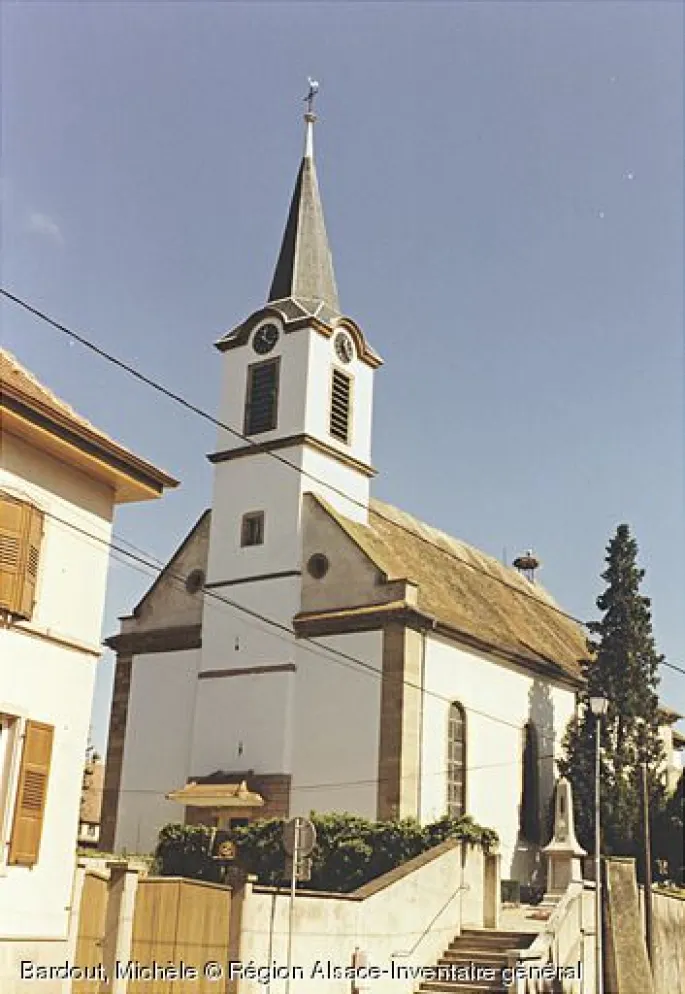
(21, 532)
(32, 790)
(11, 530)
(34, 535)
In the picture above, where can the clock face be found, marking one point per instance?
(265, 338)
(344, 349)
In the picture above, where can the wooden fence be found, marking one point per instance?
(182, 922)
(175, 921)
(91, 931)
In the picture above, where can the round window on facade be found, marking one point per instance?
(318, 565)
(195, 581)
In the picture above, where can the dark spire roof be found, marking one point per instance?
(305, 268)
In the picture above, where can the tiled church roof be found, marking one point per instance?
(469, 591)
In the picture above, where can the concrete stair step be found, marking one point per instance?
(495, 942)
(497, 935)
(482, 949)
(461, 987)
(477, 954)
(448, 961)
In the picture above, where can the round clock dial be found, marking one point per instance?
(344, 349)
(265, 338)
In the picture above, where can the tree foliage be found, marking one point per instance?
(623, 667)
(349, 852)
(669, 834)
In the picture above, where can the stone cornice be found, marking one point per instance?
(168, 639)
(377, 616)
(290, 441)
(247, 671)
(240, 335)
(56, 638)
(282, 575)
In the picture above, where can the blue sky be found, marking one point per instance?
(503, 186)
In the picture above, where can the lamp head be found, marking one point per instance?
(599, 706)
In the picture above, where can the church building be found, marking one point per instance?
(309, 648)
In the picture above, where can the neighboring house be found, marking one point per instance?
(60, 480)
(91, 804)
(673, 742)
(452, 677)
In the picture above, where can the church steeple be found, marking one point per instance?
(305, 268)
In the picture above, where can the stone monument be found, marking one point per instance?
(564, 852)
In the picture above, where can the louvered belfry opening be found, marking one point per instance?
(261, 402)
(341, 397)
(21, 532)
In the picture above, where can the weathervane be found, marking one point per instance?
(309, 99)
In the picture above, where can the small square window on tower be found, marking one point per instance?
(252, 529)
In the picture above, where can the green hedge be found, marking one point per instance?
(350, 850)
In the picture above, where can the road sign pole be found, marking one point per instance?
(293, 885)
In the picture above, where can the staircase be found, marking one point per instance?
(474, 961)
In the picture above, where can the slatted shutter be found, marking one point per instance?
(341, 396)
(261, 402)
(11, 527)
(21, 532)
(32, 790)
(34, 535)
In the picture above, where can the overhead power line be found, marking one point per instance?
(177, 398)
(339, 657)
(200, 412)
(325, 652)
(275, 789)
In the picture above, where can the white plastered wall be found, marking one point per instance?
(337, 725)
(157, 746)
(499, 700)
(47, 673)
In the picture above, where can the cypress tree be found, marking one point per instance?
(623, 667)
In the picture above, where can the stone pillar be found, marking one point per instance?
(564, 851)
(240, 897)
(626, 964)
(74, 917)
(491, 889)
(121, 904)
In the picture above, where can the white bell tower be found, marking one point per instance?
(297, 393)
(297, 390)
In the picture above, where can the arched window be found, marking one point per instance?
(529, 814)
(456, 761)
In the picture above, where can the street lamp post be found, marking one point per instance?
(598, 706)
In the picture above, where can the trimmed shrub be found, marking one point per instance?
(349, 852)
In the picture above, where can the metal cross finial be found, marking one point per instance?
(313, 90)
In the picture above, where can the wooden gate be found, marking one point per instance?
(91, 930)
(179, 921)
